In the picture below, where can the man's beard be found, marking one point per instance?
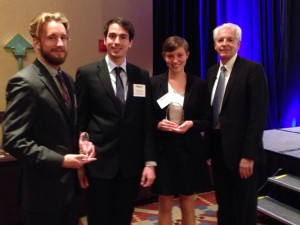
(53, 60)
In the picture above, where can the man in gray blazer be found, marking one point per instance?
(237, 149)
(40, 127)
(118, 117)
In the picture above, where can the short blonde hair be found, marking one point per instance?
(37, 23)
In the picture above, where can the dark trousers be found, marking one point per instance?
(68, 215)
(236, 197)
(111, 201)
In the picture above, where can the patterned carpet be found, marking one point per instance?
(206, 209)
(205, 212)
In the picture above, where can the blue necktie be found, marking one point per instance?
(119, 85)
(219, 94)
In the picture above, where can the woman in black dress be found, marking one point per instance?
(181, 163)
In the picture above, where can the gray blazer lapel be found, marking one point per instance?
(50, 84)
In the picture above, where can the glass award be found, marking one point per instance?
(175, 113)
(84, 143)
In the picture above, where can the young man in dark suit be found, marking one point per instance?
(40, 127)
(240, 118)
(114, 107)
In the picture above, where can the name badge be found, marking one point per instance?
(164, 100)
(139, 90)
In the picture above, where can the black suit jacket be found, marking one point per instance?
(244, 111)
(39, 130)
(196, 107)
(123, 139)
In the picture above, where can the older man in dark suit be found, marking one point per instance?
(40, 127)
(239, 97)
(114, 107)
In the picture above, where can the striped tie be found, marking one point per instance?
(65, 91)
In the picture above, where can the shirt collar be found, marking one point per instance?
(53, 72)
(229, 64)
(111, 65)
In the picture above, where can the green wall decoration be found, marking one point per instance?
(19, 46)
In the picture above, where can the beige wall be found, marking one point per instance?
(87, 19)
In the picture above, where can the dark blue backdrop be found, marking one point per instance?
(270, 35)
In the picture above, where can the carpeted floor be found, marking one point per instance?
(205, 212)
(206, 209)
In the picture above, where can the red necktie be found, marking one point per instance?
(64, 89)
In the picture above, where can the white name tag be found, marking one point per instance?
(139, 90)
(164, 100)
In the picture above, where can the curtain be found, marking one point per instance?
(287, 63)
(181, 18)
